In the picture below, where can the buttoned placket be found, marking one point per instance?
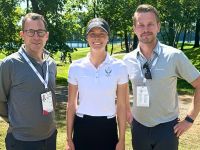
(97, 71)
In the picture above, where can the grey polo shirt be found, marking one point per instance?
(171, 64)
(20, 100)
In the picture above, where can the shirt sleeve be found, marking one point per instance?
(123, 74)
(185, 69)
(72, 75)
(5, 82)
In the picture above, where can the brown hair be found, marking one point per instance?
(33, 16)
(146, 8)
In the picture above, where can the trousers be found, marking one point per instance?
(159, 137)
(47, 144)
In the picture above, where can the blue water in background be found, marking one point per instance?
(75, 44)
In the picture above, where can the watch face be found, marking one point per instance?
(189, 119)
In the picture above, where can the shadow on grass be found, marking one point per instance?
(61, 89)
(61, 114)
(61, 97)
(61, 81)
(184, 87)
(193, 54)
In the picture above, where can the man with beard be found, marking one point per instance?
(153, 69)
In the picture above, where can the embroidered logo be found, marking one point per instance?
(108, 71)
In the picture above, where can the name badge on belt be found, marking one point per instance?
(47, 102)
(142, 96)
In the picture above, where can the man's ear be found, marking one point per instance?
(47, 35)
(21, 33)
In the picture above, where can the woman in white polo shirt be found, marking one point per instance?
(95, 82)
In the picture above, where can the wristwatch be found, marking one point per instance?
(189, 119)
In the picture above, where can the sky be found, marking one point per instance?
(23, 4)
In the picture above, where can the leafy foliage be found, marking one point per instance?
(9, 18)
(67, 20)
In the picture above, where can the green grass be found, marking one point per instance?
(189, 141)
(1, 56)
(3, 130)
(82, 52)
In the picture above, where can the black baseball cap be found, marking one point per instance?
(98, 23)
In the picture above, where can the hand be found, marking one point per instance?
(120, 145)
(129, 117)
(181, 127)
(70, 145)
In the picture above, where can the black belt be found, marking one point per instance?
(88, 116)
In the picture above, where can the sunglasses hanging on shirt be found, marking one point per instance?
(147, 72)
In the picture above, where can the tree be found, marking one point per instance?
(169, 19)
(197, 29)
(63, 21)
(188, 17)
(10, 15)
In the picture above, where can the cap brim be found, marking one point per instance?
(92, 27)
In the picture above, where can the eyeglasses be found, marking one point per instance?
(147, 72)
(31, 32)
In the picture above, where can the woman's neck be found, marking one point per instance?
(97, 58)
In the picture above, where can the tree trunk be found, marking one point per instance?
(196, 42)
(121, 43)
(94, 9)
(35, 7)
(27, 6)
(178, 36)
(184, 36)
(112, 40)
(171, 33)
(126, 41)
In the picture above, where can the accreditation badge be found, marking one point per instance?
(47, 102)
(142, 96)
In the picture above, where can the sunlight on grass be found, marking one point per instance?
(3, 130)
(2, 56)
(82, 52)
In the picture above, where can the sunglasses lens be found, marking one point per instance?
(147, 72)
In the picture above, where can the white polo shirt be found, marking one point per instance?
(97, 86)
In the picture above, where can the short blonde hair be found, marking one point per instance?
(146, 8)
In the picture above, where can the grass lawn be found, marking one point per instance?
(189, 141)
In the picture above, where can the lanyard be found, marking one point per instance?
(45, 82)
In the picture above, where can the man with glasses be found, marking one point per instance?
(27, 85)
(153, 70)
